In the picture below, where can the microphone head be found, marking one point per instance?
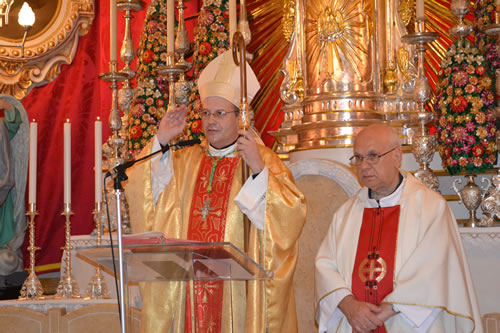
(186, 143)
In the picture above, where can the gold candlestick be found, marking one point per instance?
(32, 288)
(68, 286)
(97, 288)
(171, 70)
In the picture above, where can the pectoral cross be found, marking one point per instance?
(205, 210)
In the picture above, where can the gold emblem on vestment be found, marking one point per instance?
(372, 269)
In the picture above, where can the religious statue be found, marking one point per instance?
(13, 170)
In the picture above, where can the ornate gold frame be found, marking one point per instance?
(45, 52)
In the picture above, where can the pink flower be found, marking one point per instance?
(478, 161)
(470, 127)
(488, 98)
(459, 134)
(459, 79)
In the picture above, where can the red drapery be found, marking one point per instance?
(79, 95)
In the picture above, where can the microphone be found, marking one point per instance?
(119, 170)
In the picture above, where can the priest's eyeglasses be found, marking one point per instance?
(219, 114)
(371, 158)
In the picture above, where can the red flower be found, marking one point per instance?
(205, 48)
(147, 56)
(478, 150)
(458, 104)
(160, 102)
(136, 132)
(480, 70)
(196, 126)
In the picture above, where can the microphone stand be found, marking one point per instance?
(119, 176)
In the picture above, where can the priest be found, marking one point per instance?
(197, 193)
(393, 260)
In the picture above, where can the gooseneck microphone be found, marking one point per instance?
(119, 170)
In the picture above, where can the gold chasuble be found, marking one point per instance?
(186, 209)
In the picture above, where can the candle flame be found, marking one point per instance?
(67, 120)
(98, 118)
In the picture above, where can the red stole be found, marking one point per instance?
(207, 223)
(373, 273)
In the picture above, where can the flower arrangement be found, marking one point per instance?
(465, 129)
(211, 38)
(484, 13)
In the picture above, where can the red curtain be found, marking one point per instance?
(79, 95)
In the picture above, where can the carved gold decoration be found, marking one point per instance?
(406, 10)
(288, 19)
(47, 51)
(338, 34)
(390, 78)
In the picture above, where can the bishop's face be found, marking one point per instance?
(220, 121)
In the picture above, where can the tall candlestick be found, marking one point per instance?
(170, 26)
(420, 10)
(32, 163)
(232, 19)
(112, 30)
(98, 160)
(67, 162)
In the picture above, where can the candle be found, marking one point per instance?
(32, 163)
(420, 10)
(112, 30)
(170, 26)
(67, 162)
(98, 159)
(232, 19)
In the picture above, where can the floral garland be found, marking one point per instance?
(211, 38)
(484, 14)
(151, 97)
(466, 117)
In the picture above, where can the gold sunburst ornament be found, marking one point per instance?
(336, 35)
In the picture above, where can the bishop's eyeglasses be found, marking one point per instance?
(218, 114)
(371, 158)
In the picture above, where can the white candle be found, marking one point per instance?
(170, 26)
(232, 20)
(32, 163)
(67, 162)
(98, 160)
(112, 30)
(420, 10)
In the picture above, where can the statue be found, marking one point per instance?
(13, 138)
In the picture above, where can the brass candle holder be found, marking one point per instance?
(68, 286)
(424, 144)
(115, 148)
(171, 70)
(32, 288)
(97, 288)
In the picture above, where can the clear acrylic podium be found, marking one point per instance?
(177, 261)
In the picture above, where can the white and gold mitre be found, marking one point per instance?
(221, 78)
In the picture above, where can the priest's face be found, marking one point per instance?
(220, 121)
(378, 149)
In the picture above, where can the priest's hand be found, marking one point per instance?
(386, 313)
(247, 148)
(172, 124)
(361, 315)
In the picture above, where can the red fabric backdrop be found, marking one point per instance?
(78, 95)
